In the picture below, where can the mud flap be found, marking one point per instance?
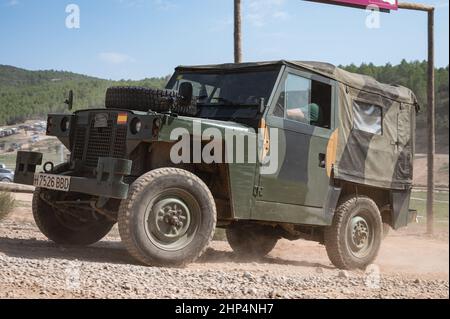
(400, 208)
(331, 203)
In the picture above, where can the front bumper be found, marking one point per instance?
(108, 181)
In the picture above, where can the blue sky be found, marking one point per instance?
(134, 39)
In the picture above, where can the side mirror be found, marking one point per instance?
(262, 105)
(186, 90)
(69, 100)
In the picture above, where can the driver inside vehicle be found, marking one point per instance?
(297, 108)
(308, 113)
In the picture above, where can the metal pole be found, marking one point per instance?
(415, 6)
(431, 124)
(237, 31)
(430, 109)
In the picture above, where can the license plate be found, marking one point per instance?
(54, 182)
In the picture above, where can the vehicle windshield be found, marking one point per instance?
(228, 87)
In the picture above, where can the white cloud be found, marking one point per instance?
(114, 57)
(159, 4)
(260, 12)
(282, 15)
(441, 5)
(131, 3)
(221, 24)
(164, 4)
(12, 3)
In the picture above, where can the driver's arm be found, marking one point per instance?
(296, 114)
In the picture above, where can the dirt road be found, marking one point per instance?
(410, 265)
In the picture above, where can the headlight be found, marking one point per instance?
(136, 125)
(65, 124)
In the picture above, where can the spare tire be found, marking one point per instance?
(145, 99)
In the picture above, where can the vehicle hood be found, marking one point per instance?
(191, 123)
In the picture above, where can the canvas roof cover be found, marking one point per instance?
(357, 81)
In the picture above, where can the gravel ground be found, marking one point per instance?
(409, 266)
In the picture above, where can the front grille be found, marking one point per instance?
(79, 140)
(90, 142)
(121, 139)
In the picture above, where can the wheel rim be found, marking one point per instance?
(360, 235)
(171, 220)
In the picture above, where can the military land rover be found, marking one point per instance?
(334, 154)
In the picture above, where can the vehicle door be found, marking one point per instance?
(303, 114)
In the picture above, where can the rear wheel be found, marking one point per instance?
(67, 227)
(168, 219)
(252, 241)
(354, 238)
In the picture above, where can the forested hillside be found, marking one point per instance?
(25, 94)
(30, 94)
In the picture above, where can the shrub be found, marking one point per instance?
(6, 204)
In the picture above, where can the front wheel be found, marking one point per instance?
(67, 226)
(168, 219)
(354, 238)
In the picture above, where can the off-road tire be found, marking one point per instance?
(336, 236)
(51, 226)
(251, 241)
(62, 233)
(6, 180)
(145, 99)
(144, 196)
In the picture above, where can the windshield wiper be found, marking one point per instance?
(224, 101)
(221, 100)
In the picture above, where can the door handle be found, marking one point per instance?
(322, 160)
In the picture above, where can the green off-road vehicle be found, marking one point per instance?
(271, 150)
